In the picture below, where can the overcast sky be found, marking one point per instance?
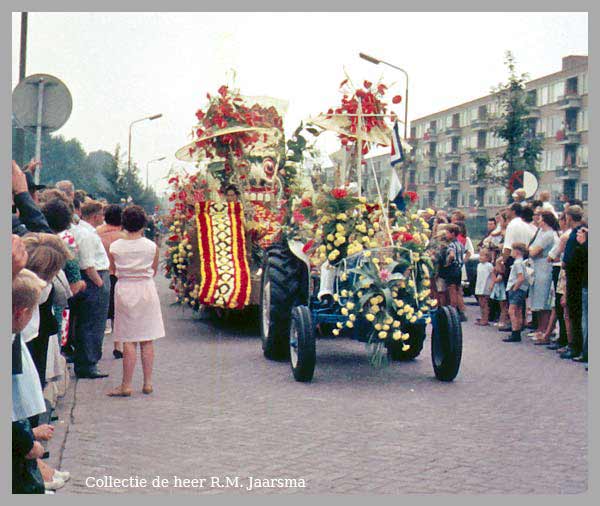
(123, 66)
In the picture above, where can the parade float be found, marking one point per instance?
(314, 260)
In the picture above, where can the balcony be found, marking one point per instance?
(534, 112)
(430, 136)
(453, 131)
(452, 181)
(432, 155)
(568, 137)
(566, 172)
(452, 156)
(480, 124)
(570, 100)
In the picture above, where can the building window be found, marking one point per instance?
(584, 192)
(571, 86)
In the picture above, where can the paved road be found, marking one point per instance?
(514, 420)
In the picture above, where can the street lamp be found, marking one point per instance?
(148, 164)
(376, 61)
(151, 118)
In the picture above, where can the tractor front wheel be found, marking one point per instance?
(446, 343)
(303, 355)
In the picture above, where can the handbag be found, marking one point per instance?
(529, 272)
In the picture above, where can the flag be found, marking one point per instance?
(397, 154)
(396, 192)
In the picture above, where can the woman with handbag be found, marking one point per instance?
(541, 289)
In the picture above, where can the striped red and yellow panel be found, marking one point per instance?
(224, 270)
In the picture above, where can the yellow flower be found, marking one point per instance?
(367, 253)
(332, 256)
(360, 294)
(396, 324)
(344, 293)
(344, 276)
(362, 200)
(373, 244)
(388, 320)
(386, 327)
(426, 282)
(400, 303)
(176, 223)
(378, 326)
(339, 325)
(388, 260)
(428, 320)
(405, 337)
(335, 332)
(433, 302)
(376, 260)
(336, 297)
(411, 283)
(349, 324)
(330, 237)
(397, 335)
(376, 225)
(340, 228)
(382, 335)
(350, 305)
(189, 246)
(406, 347)
(402, 229)
(344, 311)
(342, 217)
(371, 232)
(413, 319)
(370, 317)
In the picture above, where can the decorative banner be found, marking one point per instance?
(224, 271)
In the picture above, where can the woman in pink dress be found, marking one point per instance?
(138, 317)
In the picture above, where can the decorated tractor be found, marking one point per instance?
(248, 230)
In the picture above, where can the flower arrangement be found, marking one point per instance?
(367, 101)
(387, 290)
(229, 128)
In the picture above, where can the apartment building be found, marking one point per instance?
(441, 169)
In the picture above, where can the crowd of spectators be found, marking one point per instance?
(61, 309)
(531, 261)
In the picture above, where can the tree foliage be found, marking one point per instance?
(523, 147)
(99, 173)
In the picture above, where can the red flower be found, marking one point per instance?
(203, 182)
(412, 196)
(199, 115)
(308, 246)
(298, 217)
(397, 99)
(222, 90)
(367, 84)
(306, 203)
(381, 88)
(174, 238)
(339, 193)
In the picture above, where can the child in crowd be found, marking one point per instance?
(451, 272)
(483, 286)
(498, 291)
(516, 290)
(438, 253)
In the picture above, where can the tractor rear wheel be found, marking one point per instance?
(280, 285)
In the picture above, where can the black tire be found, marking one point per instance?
(446, 343)
(417, 338)
(303, 353)
(281, 278)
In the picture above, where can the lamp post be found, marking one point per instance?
(377, 62)
(148, 164)
(151, 118)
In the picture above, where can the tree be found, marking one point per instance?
(100, 173)
(523, 146)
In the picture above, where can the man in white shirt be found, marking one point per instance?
(517, 230)
(92, 305)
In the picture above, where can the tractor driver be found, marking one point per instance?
(232, 193)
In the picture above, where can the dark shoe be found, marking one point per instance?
(506, 328)
(515, 337)
(463, 316)
(94, 374)
(117, 354)
(580, 358)
(569, 354)
(554, 346)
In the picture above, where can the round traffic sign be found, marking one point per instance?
(525, 180)
(57, 102)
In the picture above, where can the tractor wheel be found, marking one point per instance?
(417, 337)
(446, 343)
(279, 287)
(303, 353)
